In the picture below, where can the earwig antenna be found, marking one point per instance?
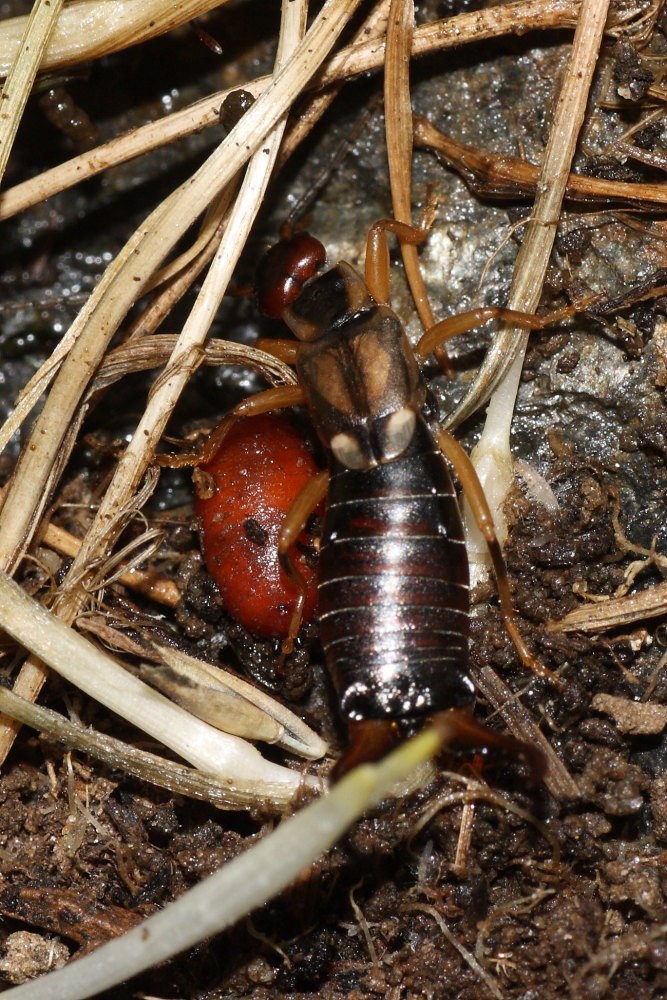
(322, 179)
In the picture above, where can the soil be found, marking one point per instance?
(557, 890)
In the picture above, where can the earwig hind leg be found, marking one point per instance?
(271, 399)
(305, 503)
(459, 728)
(472, 488)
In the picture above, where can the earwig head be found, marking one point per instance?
(284, 269)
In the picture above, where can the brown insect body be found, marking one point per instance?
(393, 571)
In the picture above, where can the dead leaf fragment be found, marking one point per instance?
(636, 717)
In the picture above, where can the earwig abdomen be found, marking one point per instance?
(393, 590)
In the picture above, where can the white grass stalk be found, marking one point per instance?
(234, 761)
(492, 456)
(237, 889)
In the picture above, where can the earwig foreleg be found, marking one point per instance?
(278, 398)
(472, 488)
(377, 250)
(284, 350)
(307, 500)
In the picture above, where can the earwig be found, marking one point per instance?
(393, 589)
(393, 570)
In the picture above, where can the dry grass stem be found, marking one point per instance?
(38, 27)
(149, 767)
(235, 762)
(499, 375)
(153, 352)
(398, 130)
(615, 613)
(91, 29)
(359, 58)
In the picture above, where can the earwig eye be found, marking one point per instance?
(348, 451)
(396, 432)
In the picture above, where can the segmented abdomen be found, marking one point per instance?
(393, 587)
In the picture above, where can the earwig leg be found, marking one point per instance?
(284, 350)
(305, 503)
(461, 729)
(451, 327)
(271, 399)
(377, 252)
(377, 268)
(472, 488)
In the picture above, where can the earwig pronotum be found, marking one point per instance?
(393, 573)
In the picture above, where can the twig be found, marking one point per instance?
(557, 778)
(494, 175)
(617, 612)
